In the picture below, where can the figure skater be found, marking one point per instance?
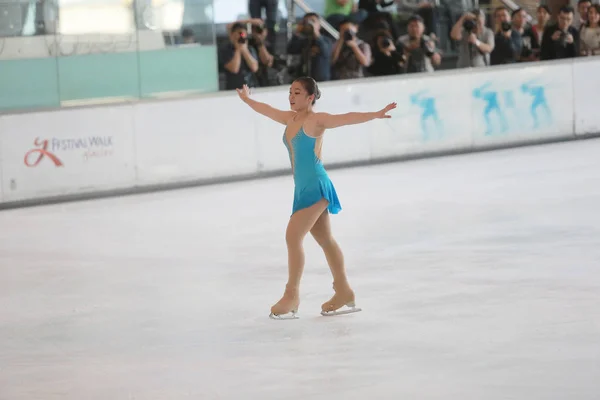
(314, 194)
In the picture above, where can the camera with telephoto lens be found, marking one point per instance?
(505, 26)
(258, 29)
(469, 25)
(348, 35)
(243, 38)
(562, 39)
(308, 29)
(426, 48)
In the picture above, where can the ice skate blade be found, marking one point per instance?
(291, 315)
(349, 310)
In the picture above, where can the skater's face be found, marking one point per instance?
(299, 97)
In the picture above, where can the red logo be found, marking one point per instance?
(43, 152)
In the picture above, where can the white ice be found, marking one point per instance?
(478, 276)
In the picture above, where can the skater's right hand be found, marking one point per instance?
(244, 92)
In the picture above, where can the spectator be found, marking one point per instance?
(590, 33)
(375, 17)
(543, 16)
(531, 46)
(350, 54)
(560, 40)
(507, 42)
(420, 51)
(255, 8)
(257, 40)
(580, 19)
(314, 48)
(187, 36)
(476, 41)
(337, 11)
(238, 60)
(387, 60)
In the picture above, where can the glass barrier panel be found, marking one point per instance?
(177, 50)
(28, 77)
(96, 47)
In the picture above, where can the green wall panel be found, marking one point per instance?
(28, 83)
(179, 69)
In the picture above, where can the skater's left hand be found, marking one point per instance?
(383, 113)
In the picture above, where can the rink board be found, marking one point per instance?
(203, 138)
(587, 88)
(69, 152)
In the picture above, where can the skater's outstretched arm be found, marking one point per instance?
(329, 121)
(276, 115)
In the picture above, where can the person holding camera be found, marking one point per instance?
(420, 51)
(387, 60)
(507, 42)
(238, 60)
(314, 48)
(476, 41)
(560, 40)
(257, 40)
(350, 54)
(255, 8)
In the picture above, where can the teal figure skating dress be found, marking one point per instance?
(311, 181)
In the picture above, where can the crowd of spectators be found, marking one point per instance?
(370, 42)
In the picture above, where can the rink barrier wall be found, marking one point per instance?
(88, 152)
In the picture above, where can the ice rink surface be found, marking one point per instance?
(478, 275)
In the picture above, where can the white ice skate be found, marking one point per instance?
(290, 315)
(351, 308)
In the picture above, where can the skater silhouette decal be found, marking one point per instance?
(428, 112)
(492, 107)
(538, 101)
(519, 108)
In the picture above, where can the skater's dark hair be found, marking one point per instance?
(311, 87)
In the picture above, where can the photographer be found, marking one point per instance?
(508, 44)
(238, 60)
(476, 41)
(560, 40)
(420, 50)
(266, 75)
(387, 60)
(350, 54)
(314, 48)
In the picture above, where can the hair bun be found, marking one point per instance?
(318, 94)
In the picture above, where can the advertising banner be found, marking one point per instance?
(194, 139)
(432, 115)
(522, 103)
(67, 152)
(587, 87)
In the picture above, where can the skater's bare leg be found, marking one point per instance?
(299, 225)
(321, 231)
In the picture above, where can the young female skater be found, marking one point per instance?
(314, 194)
